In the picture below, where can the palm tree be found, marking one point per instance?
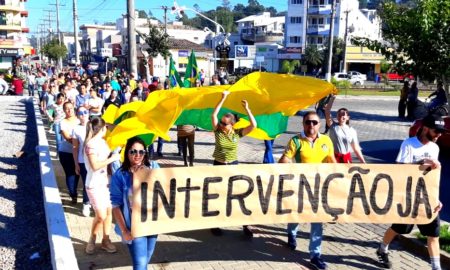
(313, 55)
(289, 66)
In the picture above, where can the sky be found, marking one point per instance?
(91, 11)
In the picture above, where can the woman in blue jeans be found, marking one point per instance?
(65, 150)
(136, 158)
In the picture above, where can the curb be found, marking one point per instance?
(61, 248)
(411, 243)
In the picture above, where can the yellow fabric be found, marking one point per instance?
(321, 151)
(266, 93)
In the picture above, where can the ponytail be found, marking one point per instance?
(93, 128)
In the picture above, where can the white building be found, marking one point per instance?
(13, 32)
(174, 29)
(261, 28)
(308, 22)
(93, 39)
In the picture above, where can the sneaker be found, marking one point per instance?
(108, 246)
(383, 259)
(86, 210)
(292, 241)
(216, 231)
(248, 232)
(318, 263)
(90, 247)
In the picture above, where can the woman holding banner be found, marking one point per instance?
(121, 189)
(226, 141)
(343, 136)
(97, 156)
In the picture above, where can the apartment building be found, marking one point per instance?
(13, 30)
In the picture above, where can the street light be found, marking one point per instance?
(223, 40)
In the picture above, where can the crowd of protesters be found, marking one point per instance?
(74, 100)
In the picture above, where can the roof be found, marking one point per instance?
(183, 44)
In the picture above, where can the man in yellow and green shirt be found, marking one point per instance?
(309, 147)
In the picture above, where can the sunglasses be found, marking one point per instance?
(313, 122)
(80, 113)
(223, 123)
(134, 152)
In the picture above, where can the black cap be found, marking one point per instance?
(434, 121)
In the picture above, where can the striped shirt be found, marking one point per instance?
(226, 145)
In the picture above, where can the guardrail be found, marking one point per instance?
(61, 248)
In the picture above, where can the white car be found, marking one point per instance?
(341, 76)
(357, 74)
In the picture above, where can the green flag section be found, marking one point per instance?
(174, 76)
(271, 97)
(191, 75)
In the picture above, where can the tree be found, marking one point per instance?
(226, 4)
(54, 50)
(273, 11)
(142, 14)
(313, 56)
(289, 66)
(338, 54)
(157, 41)
(415, 39)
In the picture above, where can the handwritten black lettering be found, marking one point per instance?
(283, 194)
(373, 194)
(187, 197)
(264, 197)
(206, 197)
(169, 205)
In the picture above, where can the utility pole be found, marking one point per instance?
(49, 21)
(344, 60)
(132, 56)
(75, 32)
(330, 41)
(165, 18)
(58, 31)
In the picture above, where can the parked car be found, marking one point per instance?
(242, 71)
(357, 74)
(341, 76)
(443, 141)
(392, 76)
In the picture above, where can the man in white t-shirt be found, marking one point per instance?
(73, 92)
(420, 149)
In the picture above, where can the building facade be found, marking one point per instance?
(308, 22)
(13, 30)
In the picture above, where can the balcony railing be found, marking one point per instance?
(320, 9)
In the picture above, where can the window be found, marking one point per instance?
(295, 39)
(320, 21)
(319, 40)
(296, 19)
(322, 2)
(182, 65)
(314, 21)
(195, 38)
(296, 2)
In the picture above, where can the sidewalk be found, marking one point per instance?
(345, 246)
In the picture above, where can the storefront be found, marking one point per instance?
(8, 56)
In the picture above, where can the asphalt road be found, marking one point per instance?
(380, 133)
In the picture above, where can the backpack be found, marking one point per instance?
(298, 146)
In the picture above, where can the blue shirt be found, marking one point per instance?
(80, 100)
(119, 189)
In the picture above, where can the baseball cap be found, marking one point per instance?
(434, 121)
